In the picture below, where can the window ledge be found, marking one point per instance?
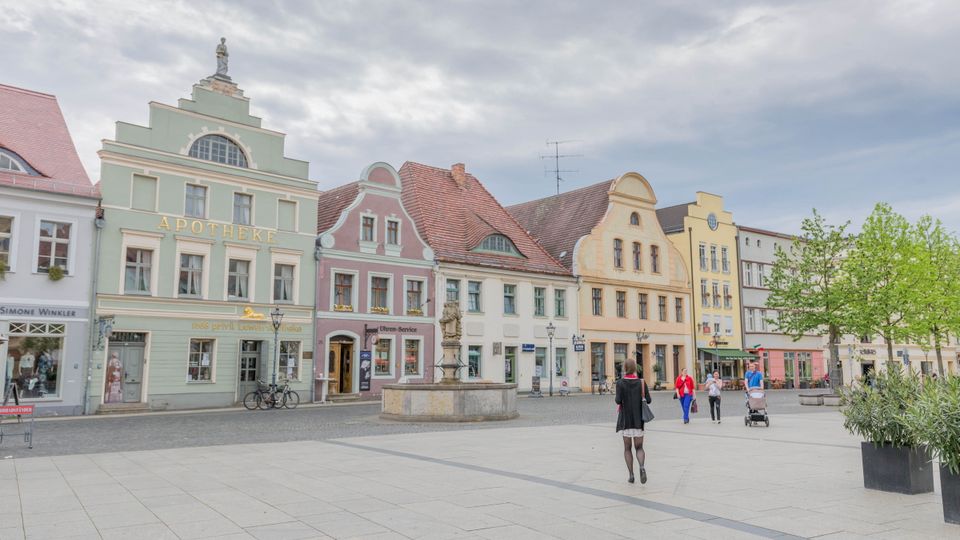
(201, 382)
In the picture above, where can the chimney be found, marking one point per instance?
(458, 170)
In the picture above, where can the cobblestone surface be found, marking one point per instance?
(237, 426)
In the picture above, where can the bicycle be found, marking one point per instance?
(271, 396)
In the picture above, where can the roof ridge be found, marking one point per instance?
(565, 194)
(675, 205)
(28, 91)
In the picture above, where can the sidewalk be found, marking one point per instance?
(527, 482)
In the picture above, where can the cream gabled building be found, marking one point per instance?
(634, 287)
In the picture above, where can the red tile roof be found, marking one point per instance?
(332, 204)
(32, 126)
(559, 221)
(454, 220)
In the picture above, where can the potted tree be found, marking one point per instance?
(934, 417)
(893, 458)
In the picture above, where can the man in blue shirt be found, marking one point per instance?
(753, 377)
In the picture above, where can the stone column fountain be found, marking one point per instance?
(451, 399)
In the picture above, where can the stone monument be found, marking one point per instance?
(451, 399)
(220, 82)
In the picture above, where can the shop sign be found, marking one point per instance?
(868, 351)
(223, 231)
(366, 370)
(245, 326)
(398, 329)
(579, 347)
(529, 347)
(53, 312)
(16, 410)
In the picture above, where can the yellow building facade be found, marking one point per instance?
(706, 237)
(634, 295)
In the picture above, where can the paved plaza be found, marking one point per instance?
(799, 478)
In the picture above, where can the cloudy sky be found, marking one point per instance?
(779, 106)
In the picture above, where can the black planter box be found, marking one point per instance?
(950, 488)
(896, 469)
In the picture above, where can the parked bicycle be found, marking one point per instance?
(271, 396)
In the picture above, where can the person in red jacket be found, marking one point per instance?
(686, 393)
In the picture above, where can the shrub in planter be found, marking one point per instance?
(893, 459)
(934, 417)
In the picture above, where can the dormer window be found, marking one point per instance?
(12, 162)
(218, 149)
(498, 243)
(635, 219)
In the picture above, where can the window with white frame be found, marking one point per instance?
(8, 162)
(763, 320)
(560, 303)
(242, 208)
(728, 325)
(393, 232)
(716, 324)
(498, 243)
(367, 229)
(703, 256)
(453, 291)
(35, 354)
(560, 361)
(200, 363)
(136, 279)
(474, 361)
(412, 357)
(283, 277)
(289, 362)
(218, 149)
(727, 297)
(195, 201)
(343, 291)
(6, 239)
(705, 324)
(474, 304)
(748, 274)
(383, 357)
(509, 299)
(191, 275)
(54, 246)
(540, 301)
(379, 294)
(750, 324)
(716, 294)
(238, 279)
(760, 276)
(724, 260)
(713, 258)
(704, 294)
(414, 297)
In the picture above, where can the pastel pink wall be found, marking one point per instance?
(777, 369)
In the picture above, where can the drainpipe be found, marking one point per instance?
(98, 224)
(317, 354)
(743, 332)
(693, 307)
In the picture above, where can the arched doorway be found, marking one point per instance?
(340, 364)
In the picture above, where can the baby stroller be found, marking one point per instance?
(756, 408)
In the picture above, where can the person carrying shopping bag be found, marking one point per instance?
(686, 392)
(714, 385)
(633, 412)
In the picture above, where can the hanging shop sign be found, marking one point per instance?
(366, 370)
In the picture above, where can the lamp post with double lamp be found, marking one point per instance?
(641, 335)
(551, 330)
(276, 317)
(716, 353)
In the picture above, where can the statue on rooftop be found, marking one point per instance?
(222, 57)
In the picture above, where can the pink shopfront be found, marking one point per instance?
(793, 368)
(375, 313)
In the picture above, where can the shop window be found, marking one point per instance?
(283, 275)
(415, 297)
(200, 365)
(540, 361)
(144, 196)
(660, 356)
(54, 247)
(560, 361)
(411, 357)
(195, 201)
(393, 232)
(287, 215)
(218, 149)
(453, 291)
(473, 297)
(474, 359)
(382, 361)
(619, 357)
(539, 301)
(238, 280)
(242, 208)
(367, 229)
(510, 364)
(560, 303)
(509, 299)
(137, 273)
(598, 352)
(34, 358)
(805, 366)
(191, 275)
(289, 362)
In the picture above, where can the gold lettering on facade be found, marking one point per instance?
(164, 223)
(270, 237)
(212, 227)
(181, 224)
(241, 232)
(196, 227)
(215, 230)
(256, 236)
(228, 231)
(244, 326)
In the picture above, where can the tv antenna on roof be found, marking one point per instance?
(555, 156)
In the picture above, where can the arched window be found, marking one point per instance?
(498, 243)
(219, 149)
(10, 162)
(635, 219)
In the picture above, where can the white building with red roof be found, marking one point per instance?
(48, 210)
(513, 294)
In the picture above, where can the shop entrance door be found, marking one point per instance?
(250, 362)
(341, 365)
(124, 381)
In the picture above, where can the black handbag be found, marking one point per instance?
(645, 413)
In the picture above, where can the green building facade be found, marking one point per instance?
(208, 227)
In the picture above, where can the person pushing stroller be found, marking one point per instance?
(756, 396)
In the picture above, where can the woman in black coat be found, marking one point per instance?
(630, 391)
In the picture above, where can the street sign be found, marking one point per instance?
(529, 347)
(366, 370)
(579, 347)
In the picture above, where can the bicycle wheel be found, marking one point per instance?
(279, 400)
(251, 401)
(291, 400)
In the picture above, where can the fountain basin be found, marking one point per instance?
(450, 402)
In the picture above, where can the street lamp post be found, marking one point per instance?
(551, 330)
(276, 317)
(641, 335)
(716, 352)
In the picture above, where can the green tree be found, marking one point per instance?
(883, 274)
(807, 287)
(937, 311)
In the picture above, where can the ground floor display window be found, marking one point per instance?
(560, 361)
(34, 358)
(290, 360)
(474, 355)
(411, 357)
(510, 364)
(660, 355)
(540, 361)
(200, 365)
(619, 357)
(805, 366)
(381, 363)
(597, 358)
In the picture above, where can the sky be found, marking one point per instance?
(779, 106)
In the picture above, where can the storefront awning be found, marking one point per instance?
(729, 354)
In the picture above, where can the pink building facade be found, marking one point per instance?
(375, 310)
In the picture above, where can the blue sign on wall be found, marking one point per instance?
(529, 347)
(366, 370)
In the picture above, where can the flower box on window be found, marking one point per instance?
(414, 311)
(342, 307)
(379, 309)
